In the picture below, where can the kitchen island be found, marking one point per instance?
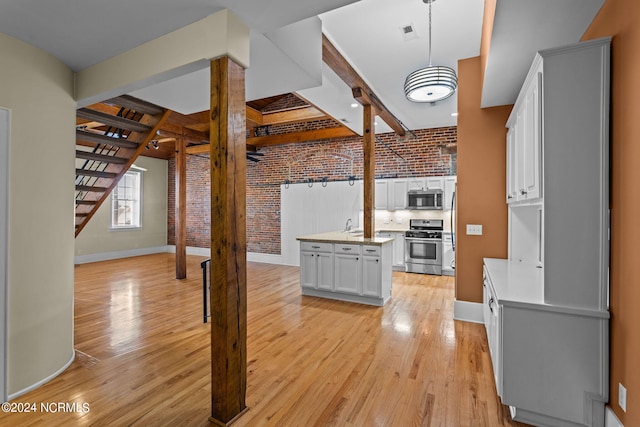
(346, 266)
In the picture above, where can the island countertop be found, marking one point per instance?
(345, 237)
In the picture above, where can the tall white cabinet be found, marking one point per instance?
(546, 307)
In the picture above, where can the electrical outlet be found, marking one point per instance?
(474, 229)
(622, 397)
(399, 220)
(386, 221)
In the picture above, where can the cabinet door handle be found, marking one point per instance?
(509, 197)
(490, 303)
(523, 192)
(346, 249)
(371, 250)
(377, 260)
(315, 247)
(357, 258)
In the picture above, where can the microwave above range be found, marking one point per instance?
(425, 199)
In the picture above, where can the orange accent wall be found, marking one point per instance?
(621, 19)
(481, 190)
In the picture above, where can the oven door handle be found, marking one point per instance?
(419, 239)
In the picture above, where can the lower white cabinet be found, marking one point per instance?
(316, 260)
(549, 361)
(348, 268)
(490, 315)
(371, 271)
(398, 248)
(350, 272)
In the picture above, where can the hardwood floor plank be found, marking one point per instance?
(143, 354)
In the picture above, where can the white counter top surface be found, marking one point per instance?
(516, 281)
(345, 237)
(521, 284)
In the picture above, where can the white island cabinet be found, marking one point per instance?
(347, 267)
(316, 260)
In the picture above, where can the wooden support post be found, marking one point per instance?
(368, 148)
(228, 242)
(181, 208)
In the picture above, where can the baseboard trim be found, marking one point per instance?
(44, 380)
(206, 252)
(610, 418)
(106, 256)
(264, 258)
(467, 311)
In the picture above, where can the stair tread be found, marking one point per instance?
(136, 104)
(87, 155)
(110, 120)
(91, 188)
(104, 139)
(96, 173)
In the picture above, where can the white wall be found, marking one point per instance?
(97, 241)
(38, 89)
(313, 210)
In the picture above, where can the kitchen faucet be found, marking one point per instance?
(347, 227)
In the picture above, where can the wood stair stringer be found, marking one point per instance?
(128, 151)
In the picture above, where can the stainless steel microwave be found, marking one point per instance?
(424, 199)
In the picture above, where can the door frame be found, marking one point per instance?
(5, 133)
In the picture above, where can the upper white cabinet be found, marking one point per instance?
(434, 183)
(397, 194)
(546, 307)
(561, 133)
(512, 189)
(428, 183)
(390, 194)
(524, 143)
(381, 194)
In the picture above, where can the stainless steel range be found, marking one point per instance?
(423, 242)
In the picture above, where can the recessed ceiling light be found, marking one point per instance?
(354, 105)
(454, 114)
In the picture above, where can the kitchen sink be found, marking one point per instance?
(354, 232)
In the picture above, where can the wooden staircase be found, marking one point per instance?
(109, 138)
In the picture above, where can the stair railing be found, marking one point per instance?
(206, 287)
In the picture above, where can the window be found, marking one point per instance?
(126, 201)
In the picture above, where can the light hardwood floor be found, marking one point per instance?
(143, 354)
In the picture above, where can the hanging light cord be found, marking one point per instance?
(430, 1)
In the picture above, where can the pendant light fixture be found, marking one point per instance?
(433, 83)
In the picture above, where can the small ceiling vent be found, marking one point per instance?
(408, 32)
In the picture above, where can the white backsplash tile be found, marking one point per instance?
(399, 220)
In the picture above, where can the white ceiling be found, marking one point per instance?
(368, 33)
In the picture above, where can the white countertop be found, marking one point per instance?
(345, 237)
(516, 281)
(521, 284)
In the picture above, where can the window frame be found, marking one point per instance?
(127, 227)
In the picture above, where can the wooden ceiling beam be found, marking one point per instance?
(254, 117)
(302, 136)
(296, 115)
(204, 149)
(334, 59)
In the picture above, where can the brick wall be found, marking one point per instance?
(198, 202)
(431, 152)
